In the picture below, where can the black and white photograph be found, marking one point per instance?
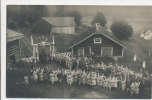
(79, 51)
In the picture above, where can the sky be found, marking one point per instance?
(110, 11)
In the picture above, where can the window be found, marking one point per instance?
(97, 40)
(106, 51)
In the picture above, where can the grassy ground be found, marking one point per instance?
(47, 90)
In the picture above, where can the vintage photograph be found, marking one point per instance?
(79, 51)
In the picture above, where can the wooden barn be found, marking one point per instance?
(61, 25)
(98, 44)
(13, 47)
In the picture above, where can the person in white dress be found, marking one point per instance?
(132, 89)
(26, 82)
(115, 84)
(123, 85)
(137, 88)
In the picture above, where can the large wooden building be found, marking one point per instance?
(13, 47)
(99, 44)
(60, 25)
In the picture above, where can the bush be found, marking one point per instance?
(122, 30)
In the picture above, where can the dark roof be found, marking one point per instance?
(82, 37)
(13, 35)
(60, 21)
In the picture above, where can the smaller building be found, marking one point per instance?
(60, 25)
(98, 44)
(13, 47)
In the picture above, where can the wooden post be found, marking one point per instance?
(101, 51)
(90, 50)
(53, 43)
(112, 52)
(50, 50)
(34, 51)
(20, 48)
(122, 52)
(37, 52)
(83, 51)
(31, 40)
(72, 52)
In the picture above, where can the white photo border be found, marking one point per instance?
(4, 4)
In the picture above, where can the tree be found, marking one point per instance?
(99, 18)
(60, 11)
(24, 15)
(77, 17)
(122, 30)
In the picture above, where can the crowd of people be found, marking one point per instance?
(114, 81)
(111, 76)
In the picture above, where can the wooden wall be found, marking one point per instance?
(13, 50)
(65, 30)
(96, 48)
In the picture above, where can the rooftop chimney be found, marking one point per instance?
(97, 26)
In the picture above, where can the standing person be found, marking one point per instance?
(101, 81)
(32, 64)
(77, 61)
(60, 76)
(26, 82)
(35, 77)
(115, 84)
(137, 88)
(119, 83)
(41, 77)
(123, 85)
(132, 89)
(109, 82)
(104, 82)
(127, 86)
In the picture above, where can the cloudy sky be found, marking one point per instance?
(111, 11)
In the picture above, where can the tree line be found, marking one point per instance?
(26, 16)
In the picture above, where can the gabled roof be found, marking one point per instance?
(101, 31)
(60, 21)
(13, 35)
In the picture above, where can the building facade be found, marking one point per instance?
(98, 44)
(13, 47)
(61, 25)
